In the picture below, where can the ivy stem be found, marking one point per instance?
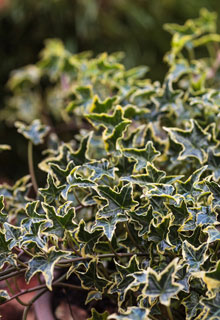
(102, 256)
(12, 292)
(31, 166)
(169, 313)
(26, 310)
(12, 274)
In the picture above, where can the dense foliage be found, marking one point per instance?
(130, 209)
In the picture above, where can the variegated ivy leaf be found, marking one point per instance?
(35, 132)
(159, 189)
(192, 304)
(89, 239)
(194, 142)
(102, 106)
(45, 264)
(159, 234)
(212, 306)
(162, 285)
(142, 217)
(153, 175)
(214, 164)
(109, 224)
(33, 227)
(61, 219)
(13, 235)
(131, 313)
(32, 215)
(183, 277)
(212, 278)
(100, 168)
(52, 192)
(215, 190)
(93, 295)
(189, 188)
(91, 279)
(213, 233)
(76, 181)
(6, 255)
(81, 156)
(194, 257)
(207, 216)
(108, 122)
(122, 285)
(35, 235)
(142, 156)
(112, 140)
(98, 316)
(180, 213)
(168, 98)
(117, 202)
(60, 173)
(4, 296)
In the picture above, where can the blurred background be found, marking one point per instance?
(132, 26)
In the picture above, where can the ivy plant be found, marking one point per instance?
(129, 211)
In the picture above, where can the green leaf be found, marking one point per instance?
(61, 219)
(215, 190)
(12, 235)
(117, 202)
(93, 295)
(6, 255)
(143, 217)
(89, 239)
(131, 313)
(214, 164)
(100, 169)
(192, 304)
(109, 224)
(179, 212)
(35, 132)
(142, 156)
(189, 188)
(112, 141)
(108, 122)
(80, 156)
(207, 216)
(159, 234)
(153, 175)
(194, 257)
(102, 106)
(45, 265)
(162, 285)
(74, 181)
(212, 306)
(194, 141)
(212, 278)
(52, 192)
(91, 279)
(122, 285)
(213, 234)
(98, 316)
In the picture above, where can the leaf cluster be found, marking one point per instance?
(131, 204)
